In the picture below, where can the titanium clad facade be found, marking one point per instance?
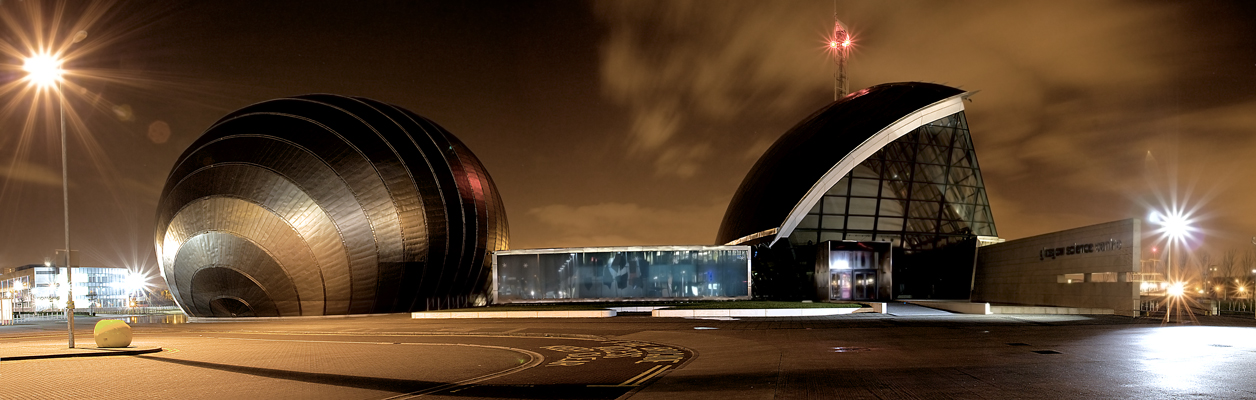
(327, 205)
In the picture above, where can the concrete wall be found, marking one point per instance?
(1028, 271)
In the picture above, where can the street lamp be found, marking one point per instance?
(43, 70)
(1176, 289)
(1175, 226)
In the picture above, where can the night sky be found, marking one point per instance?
(633, 122)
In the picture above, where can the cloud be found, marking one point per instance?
(1072, 94)
(679, 66)
(21, 171)
(621, 224)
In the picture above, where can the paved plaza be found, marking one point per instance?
(911, 353)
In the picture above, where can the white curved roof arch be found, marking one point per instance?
(890, 133)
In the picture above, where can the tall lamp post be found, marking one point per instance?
(45, 70)
(1175, 226)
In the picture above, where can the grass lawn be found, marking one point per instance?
(733, 305)
(700, 305)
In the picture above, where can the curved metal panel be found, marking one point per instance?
(223, 250)
(216, 283)
(262, 227)
(288, 202)
(392, 211)
(312, 178)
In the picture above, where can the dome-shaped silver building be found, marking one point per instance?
(327, 205)
(889, 170)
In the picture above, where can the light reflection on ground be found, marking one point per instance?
(154, 319)
(1187, 357)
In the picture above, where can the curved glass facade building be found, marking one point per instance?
(876, 196)
(327, 205)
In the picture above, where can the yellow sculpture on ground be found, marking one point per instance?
(112, 333)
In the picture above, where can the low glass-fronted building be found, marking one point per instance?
(621, 273)
(42, 288)
(890, 166)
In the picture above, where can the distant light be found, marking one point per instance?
(1174, 224)
(846, 43)
(43, 69)
(134, 282)
(833, 44)
(1176, 289)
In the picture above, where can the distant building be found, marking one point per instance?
(37, 287)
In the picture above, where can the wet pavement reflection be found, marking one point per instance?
(154, 319)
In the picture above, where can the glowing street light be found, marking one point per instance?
(1176, 289)
(134, 282)
(1174, 225)
(43, 70)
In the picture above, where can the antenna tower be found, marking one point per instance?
(839, 45)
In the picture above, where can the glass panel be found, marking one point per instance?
(983, 229)
(810, 222)
(834, 222)
(863, 206)
(927, 174)
(840, 188)
(864, 171)
(922, 225)
(802, 237)
(891, 208)
(623, 275)
(889, 224)
(859, 223)
(864, 187)
(830, 235)
(834, 205)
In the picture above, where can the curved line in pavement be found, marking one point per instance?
(536, 359)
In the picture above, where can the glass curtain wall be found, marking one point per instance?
(921, 192)
(605, 274)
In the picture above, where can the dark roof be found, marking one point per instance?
(797, 160)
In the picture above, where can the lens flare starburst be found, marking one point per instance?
(43, 69)
(1174, 220)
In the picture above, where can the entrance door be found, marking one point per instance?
(864, 285)
(839, 284)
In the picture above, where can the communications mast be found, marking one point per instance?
(839, 46)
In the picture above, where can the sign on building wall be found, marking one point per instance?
(1083, 267)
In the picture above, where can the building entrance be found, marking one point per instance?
(853, 284)
(853, 271)
(852, 276)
